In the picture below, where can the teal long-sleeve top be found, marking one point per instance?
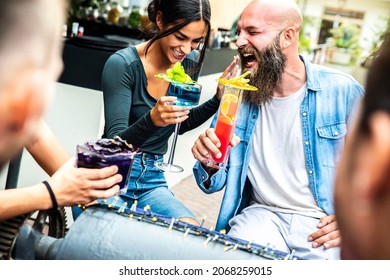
(127, 103)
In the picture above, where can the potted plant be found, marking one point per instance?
(346, 42)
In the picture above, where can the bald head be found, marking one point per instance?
(279, 13)
(268, 44)
(28, 29)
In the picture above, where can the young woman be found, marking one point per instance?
(135, 102)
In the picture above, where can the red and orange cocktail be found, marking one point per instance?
(226, 123)
(227, 116)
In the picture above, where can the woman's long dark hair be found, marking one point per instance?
(179, 13)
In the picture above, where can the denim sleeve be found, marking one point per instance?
(217, 183)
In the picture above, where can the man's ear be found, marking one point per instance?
(24, 99)
(379, 158)
(288, 37)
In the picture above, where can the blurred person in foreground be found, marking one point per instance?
(279, 178)
(362, 190)
(31, 60)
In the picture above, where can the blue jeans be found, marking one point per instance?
(148, 187)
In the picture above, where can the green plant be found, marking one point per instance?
(309, 24)
(346, 36)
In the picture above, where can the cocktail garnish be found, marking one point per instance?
(228, 106)
(176, 74)
(238, 82)
(112, 146)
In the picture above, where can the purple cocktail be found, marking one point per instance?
(106, 152)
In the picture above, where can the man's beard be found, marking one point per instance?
(271, 64)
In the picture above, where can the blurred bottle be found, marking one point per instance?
(75, 29)
(225, 43)
(124, 17)
(80, 33)
(145, 23)
(114, 13)
(135, 17)
(217, 40)
(104, 9)
(64, 30)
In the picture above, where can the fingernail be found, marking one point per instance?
(326, 245)
(315, 244)
(310, 238)
(218, 155)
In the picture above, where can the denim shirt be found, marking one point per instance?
(330, 101)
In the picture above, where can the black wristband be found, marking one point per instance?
(52, 196)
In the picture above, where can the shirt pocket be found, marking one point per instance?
(331, 142)
(241, 131)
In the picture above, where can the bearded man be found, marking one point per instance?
(278, 182)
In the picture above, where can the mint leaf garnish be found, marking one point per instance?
(176, 74)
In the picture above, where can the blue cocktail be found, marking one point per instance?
(188, 95)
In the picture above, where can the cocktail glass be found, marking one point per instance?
(188, 95)
(106, 152)
(226, 124)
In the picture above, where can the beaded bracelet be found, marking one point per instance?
(52, 196)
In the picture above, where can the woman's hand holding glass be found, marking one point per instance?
(165, 113)
(188, 96)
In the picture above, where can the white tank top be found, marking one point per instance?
(277, 168)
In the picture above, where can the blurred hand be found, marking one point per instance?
(163, 113)
(207, 143)
(73, 186)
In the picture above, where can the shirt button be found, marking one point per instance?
(304, 114)
(307, 143)
(335, 133)
(253, 116)
(311, 171)
(203, 177)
